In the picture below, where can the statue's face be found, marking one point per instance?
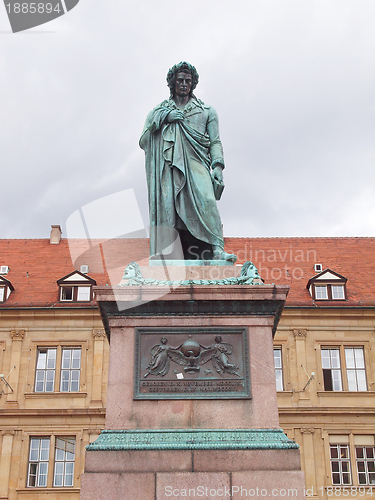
(182, 86)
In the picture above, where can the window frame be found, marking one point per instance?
(343, 364)
(59, 346)
(75, 292)
(355, 369)
(280, 369)
(365, 460)
(38, 461)
(332, 369)
(51, 462)
(46, 370)
(340, 461)
(65, 462)
(71, 368)
(332, 436)
(328, 285)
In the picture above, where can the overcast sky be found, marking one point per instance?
(293, 82)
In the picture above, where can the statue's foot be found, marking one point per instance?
(222, 255)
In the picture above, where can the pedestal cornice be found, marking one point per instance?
(193, 300)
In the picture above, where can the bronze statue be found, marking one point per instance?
(184, 163)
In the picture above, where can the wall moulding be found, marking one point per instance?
(300, 333)
(99, 334)
(18, 334)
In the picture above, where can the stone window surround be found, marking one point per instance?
(341, 346)
(50, 433)
(328, 436)
(30, 392)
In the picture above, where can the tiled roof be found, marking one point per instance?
(36, 265)
(291, 261)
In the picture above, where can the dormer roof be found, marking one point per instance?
(5, 282)
(327, 276)
(76, 278)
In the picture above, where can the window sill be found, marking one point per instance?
(345, 393)
(75, 301)
(366, 487)
(38, 490)
(33, 395)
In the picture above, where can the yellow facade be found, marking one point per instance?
(314, 417)
(26, 414)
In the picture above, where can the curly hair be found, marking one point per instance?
(182, 67)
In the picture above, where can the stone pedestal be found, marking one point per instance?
(206, 448)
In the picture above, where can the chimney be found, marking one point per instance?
(55, 235)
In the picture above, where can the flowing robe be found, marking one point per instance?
(179, 159)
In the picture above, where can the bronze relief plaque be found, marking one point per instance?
(191, 363)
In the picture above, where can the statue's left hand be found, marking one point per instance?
(217, 174)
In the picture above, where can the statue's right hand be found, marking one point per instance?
(175, 116)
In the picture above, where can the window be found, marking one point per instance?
(76, 287)
(321, 292)
(45, 370)
(327, 285)
(70, 370)
(6, 289)
(66, 293)
(365, 464)
(353, 362)
(84, 293)
(39, 457)
(331, 369)
(340, 464)
(66, 361)
(355, 369)
(75, 293)
(329, 292)
(64, 461)
(352, 459)
(38, 462)
(278, 368)
(338, 292)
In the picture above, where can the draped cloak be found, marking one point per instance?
(179, 159)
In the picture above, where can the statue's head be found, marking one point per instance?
(132, 271)
(182, 67)
(249, 270)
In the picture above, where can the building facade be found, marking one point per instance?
(54, 357)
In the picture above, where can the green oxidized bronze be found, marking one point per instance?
(191, 363)
(184, 164)
(193, 439)
(249, 276)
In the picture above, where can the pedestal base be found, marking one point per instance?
(194, 447)
(209, 474)
(206, 463)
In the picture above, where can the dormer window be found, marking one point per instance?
(327, 285)
(321, 292)
(6, 288)
(76, 287)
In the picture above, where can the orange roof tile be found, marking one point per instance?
(36, 265)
